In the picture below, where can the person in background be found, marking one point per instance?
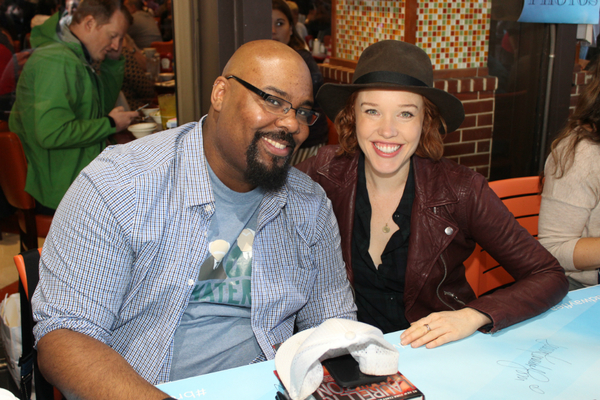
(283, 31)
(152, 6)
(164, 259)
(11, 65)
(299, 25)
(410, 218)
(143, 30)
(63, 112)
(569, 223)
(43, 11)
(165, 13)
(68, 11)
(318, 21)
(137, 88)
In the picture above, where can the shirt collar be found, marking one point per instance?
(197, 179)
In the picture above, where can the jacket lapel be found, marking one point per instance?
(431, 233)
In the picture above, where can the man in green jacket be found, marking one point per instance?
(64, 109)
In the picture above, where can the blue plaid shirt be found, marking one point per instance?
(129, 237)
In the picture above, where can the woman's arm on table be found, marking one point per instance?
(587, 254)
(442, 327)
(84, 368)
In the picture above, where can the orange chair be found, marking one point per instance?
(28, 266)
(13, 172)
(163, 47)
(521, 196)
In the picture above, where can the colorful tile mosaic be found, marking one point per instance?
(361, 23)
(454, 33)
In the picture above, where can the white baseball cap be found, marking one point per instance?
(298, 359)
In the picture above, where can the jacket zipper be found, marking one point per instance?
(437, 291)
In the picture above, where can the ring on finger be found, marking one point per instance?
(428, 327)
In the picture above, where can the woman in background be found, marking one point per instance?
(138, 88)
(569, 224)
(283, 31)
(409, 218)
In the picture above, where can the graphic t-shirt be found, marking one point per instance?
(215, 331)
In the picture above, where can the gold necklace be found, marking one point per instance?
(386, 228)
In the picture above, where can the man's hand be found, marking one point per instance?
(22, 58)
(439, 328)
(122, 118)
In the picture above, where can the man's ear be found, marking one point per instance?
(219, 90)
(89, 23)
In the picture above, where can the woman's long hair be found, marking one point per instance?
(582, 125)
(296, 42)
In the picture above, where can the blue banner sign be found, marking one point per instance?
(561, 11)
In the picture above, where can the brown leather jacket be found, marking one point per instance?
(454, 208)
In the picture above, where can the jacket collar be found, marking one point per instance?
(196, 174)
(340, 170)
(431, 183)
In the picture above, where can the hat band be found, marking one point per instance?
(389, 77)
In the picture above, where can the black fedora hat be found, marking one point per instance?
(392, 64)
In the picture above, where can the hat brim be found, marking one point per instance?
(332, 99)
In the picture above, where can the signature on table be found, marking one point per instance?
(540, 363)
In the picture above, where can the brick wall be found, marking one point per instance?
(471, 144)
(580, 79)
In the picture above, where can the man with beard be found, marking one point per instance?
(193, 250)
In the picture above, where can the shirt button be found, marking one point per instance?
(449, 231)
(190, 282)
(208, 208)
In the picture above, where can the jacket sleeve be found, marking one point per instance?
(111, 77)
(62, 115)
(540, 281)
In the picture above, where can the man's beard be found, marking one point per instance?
(259, 173)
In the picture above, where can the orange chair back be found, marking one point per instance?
(163, 47)
(521, 197)
(13, 173)
(20, 264)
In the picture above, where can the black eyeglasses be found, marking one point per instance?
(278, 106)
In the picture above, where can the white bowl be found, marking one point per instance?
(157, 119)
(148, 111)
(143, 129)
(166, 76)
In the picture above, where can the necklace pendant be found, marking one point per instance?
(386, 228)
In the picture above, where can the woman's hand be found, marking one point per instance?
(444, 327)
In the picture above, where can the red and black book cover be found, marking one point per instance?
(395, 387)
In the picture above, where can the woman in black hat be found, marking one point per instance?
(409, 218)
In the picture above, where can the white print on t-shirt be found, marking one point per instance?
(225, 275)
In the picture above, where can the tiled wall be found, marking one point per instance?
(361, 23)
(454, 33)
(471, 144)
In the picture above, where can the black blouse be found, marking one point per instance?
(380, 291)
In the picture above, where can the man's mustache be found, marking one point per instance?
(279, 136)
